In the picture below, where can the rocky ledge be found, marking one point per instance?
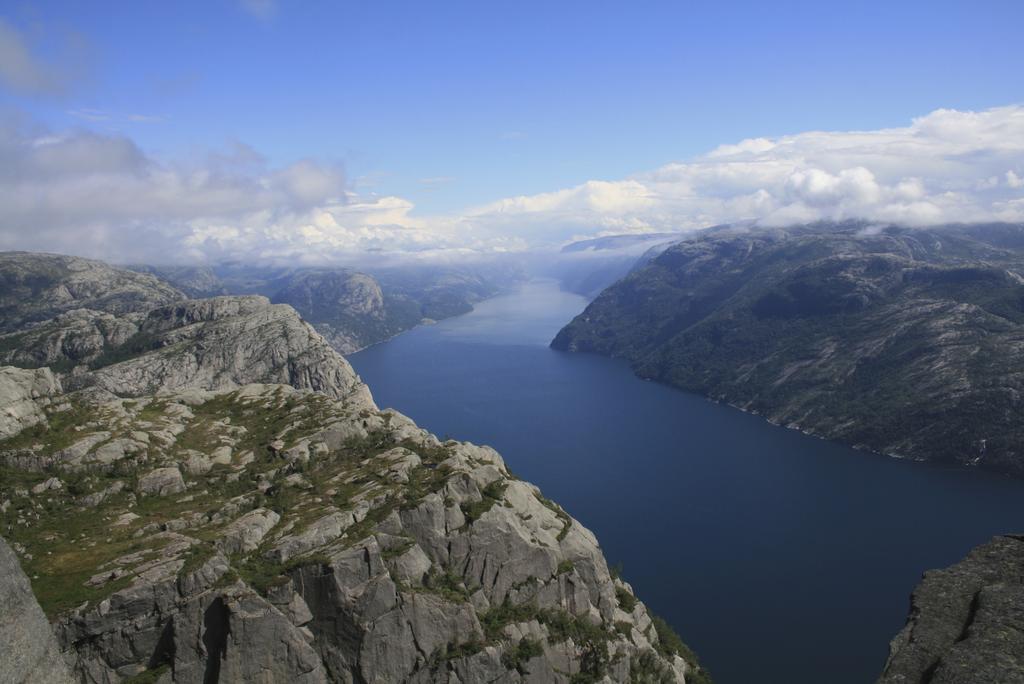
(268, 533)
(966, 623)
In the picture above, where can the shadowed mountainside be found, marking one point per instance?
(905, 341)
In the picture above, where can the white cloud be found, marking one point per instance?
(100, 195)
(936, 169)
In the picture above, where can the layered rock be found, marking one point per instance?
(966, 623)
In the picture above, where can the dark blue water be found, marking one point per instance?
(778, 557)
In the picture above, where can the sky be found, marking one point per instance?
(199, 131)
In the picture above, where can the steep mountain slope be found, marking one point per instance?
(347, 308)
(908, 342)
(966, 623)
(181, 523)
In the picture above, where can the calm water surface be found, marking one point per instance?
(778, 557)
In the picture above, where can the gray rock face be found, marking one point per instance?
(348, 308)
(37, 287)
(30, 652)
(161, 482)
(385, 555)
(71, 338)
(966, 623)
(225, 342)
(22, 396)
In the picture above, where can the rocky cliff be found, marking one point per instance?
(38, 287)
(905, 341)
(966, 623)
(31, 654)
(217, 498)
(348, 308)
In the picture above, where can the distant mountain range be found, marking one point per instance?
(352, 309)
(905, 341)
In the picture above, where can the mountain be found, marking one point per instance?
(194, 281)
(966, 623)
(218, 498)
(354, 310)
(37, 287)
(909, 342)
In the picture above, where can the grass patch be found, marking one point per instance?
(54, 433)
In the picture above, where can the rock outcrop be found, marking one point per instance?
(334, 542)
(966, 623)
(219, 343)
(37, 287)
(23, 393)
(207, 492)
(347, 308)
(30, 652)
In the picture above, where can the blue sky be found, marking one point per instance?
(457, 103)
(325, 132)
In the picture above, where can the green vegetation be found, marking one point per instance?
(626, 600)
(137, 345)
(670, 644)
(262, 574)
(492, 494)
(591, 639)
(447, 585)
(646, 668)
(60, 430)
(524, 651)
(150, 676)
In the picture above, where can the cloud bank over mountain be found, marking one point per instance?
(99, 194)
